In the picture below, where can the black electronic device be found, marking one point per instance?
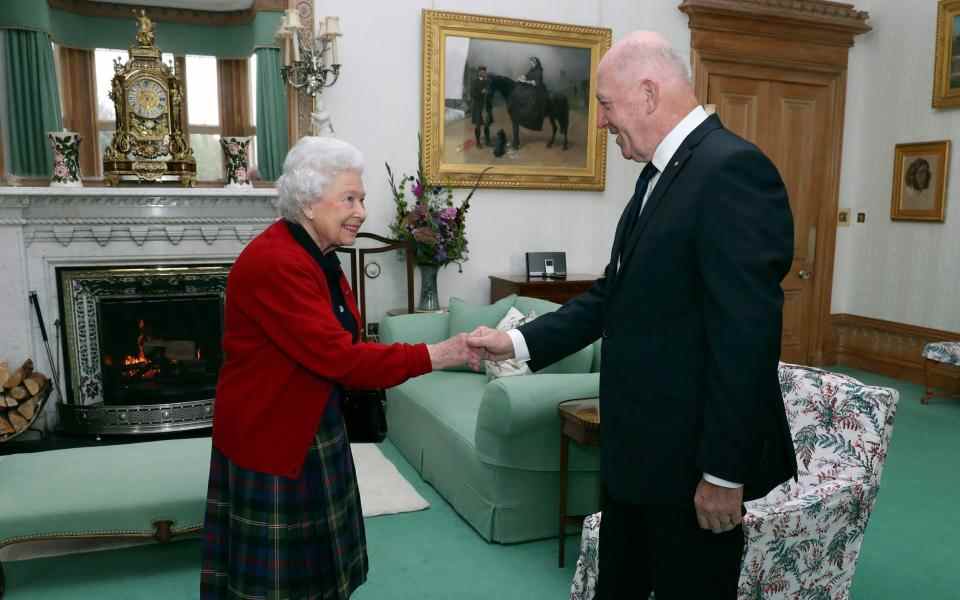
(552, 265)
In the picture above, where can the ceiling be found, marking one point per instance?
(204, 5)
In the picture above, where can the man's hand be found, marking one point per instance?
(490, 344)
(452, 353)
(718, 508)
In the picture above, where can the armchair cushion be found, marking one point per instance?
(465, 317)
(510, 367)
(943, 352)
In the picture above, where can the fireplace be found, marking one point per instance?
(142, 347)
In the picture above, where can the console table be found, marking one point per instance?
(554, 290)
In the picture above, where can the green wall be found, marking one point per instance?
(77, 31)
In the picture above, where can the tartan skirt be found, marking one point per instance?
(269, 537)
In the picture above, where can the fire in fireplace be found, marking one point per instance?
(142, 347)
(159, 350)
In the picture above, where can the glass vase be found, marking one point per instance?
(429, 298)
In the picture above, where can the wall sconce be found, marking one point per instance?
(311, 64)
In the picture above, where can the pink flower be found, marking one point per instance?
(418, 190)
(425, 235)
(241, 174)
(60, 170)
(448, 214)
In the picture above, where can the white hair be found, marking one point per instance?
(311, 165)
(643, 51)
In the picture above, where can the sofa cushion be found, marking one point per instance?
(578, 362)
(465, 317)
(452, 398)
(510, 367)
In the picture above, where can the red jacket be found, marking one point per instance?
(283, 352)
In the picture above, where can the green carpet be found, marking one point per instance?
(908, 552)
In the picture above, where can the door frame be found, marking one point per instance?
(807, 43)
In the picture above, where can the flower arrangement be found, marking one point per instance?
(430, 219)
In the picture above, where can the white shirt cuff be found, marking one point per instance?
(721, 482)
(520, 350)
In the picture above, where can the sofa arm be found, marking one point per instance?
(808, 542)
(427, 328)
(518, 425)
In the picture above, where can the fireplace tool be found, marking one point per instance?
(46, 343)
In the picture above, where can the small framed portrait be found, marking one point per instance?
(515, 95)
(946, 71)
(920, 181)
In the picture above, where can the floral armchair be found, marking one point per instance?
(804, 537)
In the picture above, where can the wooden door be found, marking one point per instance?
(789, 121)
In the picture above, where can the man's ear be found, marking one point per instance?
(649, 95)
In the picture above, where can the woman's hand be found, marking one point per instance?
(452, 353)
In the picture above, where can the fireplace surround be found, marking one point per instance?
(48, 231)
(142, 347)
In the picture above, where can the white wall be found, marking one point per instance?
(376, 105)
(908, 272)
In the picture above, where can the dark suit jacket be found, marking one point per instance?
(691, 325)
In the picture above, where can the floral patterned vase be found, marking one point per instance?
(66, 158)
(235, 161)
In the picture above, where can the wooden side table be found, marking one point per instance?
(580, 422)
(554, 290)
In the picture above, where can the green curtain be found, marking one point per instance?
(33, 102)
(272, 140)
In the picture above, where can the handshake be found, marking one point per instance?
(471, 349)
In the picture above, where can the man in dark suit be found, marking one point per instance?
(690, 312)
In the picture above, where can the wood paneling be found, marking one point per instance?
(776, 71)
(890, 348)
(78, 88)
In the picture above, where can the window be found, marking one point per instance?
(203, 115)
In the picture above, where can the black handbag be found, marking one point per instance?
(365, 415)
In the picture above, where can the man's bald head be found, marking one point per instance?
(646, 55)
(644, 90)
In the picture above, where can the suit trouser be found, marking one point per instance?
(661, 548)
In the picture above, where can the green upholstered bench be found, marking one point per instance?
(131, 491)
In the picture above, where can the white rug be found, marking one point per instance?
(383, 491)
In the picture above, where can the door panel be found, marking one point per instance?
(788, 121)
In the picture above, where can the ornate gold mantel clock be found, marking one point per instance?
(149, 144)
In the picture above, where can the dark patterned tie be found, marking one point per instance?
(633, 209)
(637, 205)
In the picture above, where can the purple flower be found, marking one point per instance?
(448, 214)
(417, 190)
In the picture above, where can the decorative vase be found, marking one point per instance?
(66, 158)
(235, 161)
(429, 299)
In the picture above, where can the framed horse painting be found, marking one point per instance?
(514, 95)
(946, 72)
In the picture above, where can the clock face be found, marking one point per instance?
(147, 98)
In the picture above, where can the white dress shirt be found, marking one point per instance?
(661, 158)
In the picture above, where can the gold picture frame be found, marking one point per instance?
(561, 83)
(920, 181)
(946, 71)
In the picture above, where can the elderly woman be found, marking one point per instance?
(283, 510)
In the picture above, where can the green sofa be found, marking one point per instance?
(492, 448)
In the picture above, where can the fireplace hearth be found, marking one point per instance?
(142, 347)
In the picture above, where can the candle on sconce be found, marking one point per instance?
(333, 26)
(296, 45)
(292, 18)
(335, 51)
(321, 28)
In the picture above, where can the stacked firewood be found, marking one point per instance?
(22, 392)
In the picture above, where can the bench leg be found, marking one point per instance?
(927, 394)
